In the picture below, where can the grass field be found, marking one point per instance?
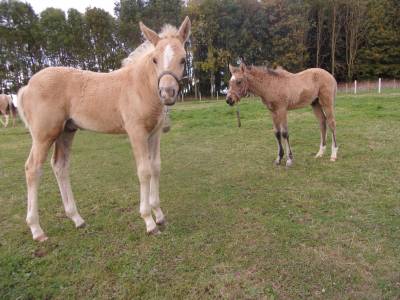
(238, 227)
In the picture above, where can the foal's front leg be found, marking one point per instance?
(155, 160)
(140, 143)
(278, 136)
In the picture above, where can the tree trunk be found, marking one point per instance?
(212, 84)
(333, 36)
(319, 33)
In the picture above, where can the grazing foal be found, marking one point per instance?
(281, 91)
(59, 101)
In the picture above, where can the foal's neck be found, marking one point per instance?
(146, 76)
(259, 83)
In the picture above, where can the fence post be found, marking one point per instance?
(355, 86)
(379, 85)
(200, 95)
(217, 95)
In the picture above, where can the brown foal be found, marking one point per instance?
(281, 91)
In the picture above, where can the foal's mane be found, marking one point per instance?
(277, 72)
(168, 31)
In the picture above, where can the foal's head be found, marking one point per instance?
(168, 58)
(238, 84)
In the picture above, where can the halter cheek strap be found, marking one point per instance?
(245, 88)
(243, 91)
(171, 74)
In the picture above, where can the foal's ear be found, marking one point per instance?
(243, 67)
(184, 30)
(232, 69)
(149, 34)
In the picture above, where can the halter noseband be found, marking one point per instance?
(173, 75)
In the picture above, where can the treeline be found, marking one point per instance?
(353, 39)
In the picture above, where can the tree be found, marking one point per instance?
(355, 29)
(129, 13)
(104, 52)
(20, 51)
(289, 29)
(380, 54)
(53, 27)
(76, 45)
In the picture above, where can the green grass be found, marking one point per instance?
(239, 227)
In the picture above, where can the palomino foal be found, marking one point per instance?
(58, 101)
(7, 108)
(281, 91)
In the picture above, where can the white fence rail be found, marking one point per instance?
(379, 85)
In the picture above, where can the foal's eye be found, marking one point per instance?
(155, 60)
(183, 61)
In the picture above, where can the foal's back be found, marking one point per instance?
(56, 94)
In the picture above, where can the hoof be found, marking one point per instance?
(83, 225)
(289, 163)
(277, 162)
(155, 231)
(162, 222)
(318, 155)
(41, 238)
(333, 158)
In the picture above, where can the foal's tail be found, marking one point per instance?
(20, 106)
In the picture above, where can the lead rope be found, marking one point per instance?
(166, 121)
(238, 115)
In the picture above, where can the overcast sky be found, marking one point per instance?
(40, 5)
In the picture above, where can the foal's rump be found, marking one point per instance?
(310, 85)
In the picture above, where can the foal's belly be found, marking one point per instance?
(99, 123)
(302, 99)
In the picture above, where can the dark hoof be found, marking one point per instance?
(162, 224)
(277, 162)
(155, 231)
(83, 225)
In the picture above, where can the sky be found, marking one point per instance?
(40, 5)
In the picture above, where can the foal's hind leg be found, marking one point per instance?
(60, 165)
(33, 171)
(330, 116)
(319, 113)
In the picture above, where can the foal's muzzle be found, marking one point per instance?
(168, 95)
(230, 101)
(168, 87)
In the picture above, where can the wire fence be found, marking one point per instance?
(369, 86)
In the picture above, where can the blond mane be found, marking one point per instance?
(168, 31)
